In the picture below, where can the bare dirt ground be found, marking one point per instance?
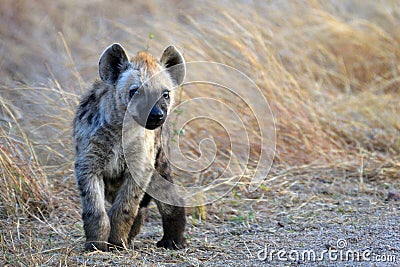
(294, 213)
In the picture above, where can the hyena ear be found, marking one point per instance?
(111, 62)
(174, 62)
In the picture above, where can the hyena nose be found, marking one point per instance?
(156, 114)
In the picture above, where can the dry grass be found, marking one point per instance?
(25, 186)
(329, 70)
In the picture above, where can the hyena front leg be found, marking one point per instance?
(124, 210)
(173, 217)
(174, 221)
(95, 220)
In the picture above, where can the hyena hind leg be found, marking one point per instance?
(123, 213)
(137, 224)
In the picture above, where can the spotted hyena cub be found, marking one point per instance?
(100, 165)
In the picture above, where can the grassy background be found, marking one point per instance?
(329, 70)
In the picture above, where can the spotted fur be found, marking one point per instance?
(100, 167)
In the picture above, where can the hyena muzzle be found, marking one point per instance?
(101, 168)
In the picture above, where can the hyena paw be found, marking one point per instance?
(93, 246)
(171, 243)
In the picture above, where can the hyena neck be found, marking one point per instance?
(111, 112)
(98, 110)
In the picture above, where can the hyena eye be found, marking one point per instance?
(166, 94)
(132, 91)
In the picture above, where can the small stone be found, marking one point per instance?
(393, 195)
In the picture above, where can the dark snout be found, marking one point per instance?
(156, 114)
(156, 118)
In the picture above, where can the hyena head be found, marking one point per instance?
(144, 80)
